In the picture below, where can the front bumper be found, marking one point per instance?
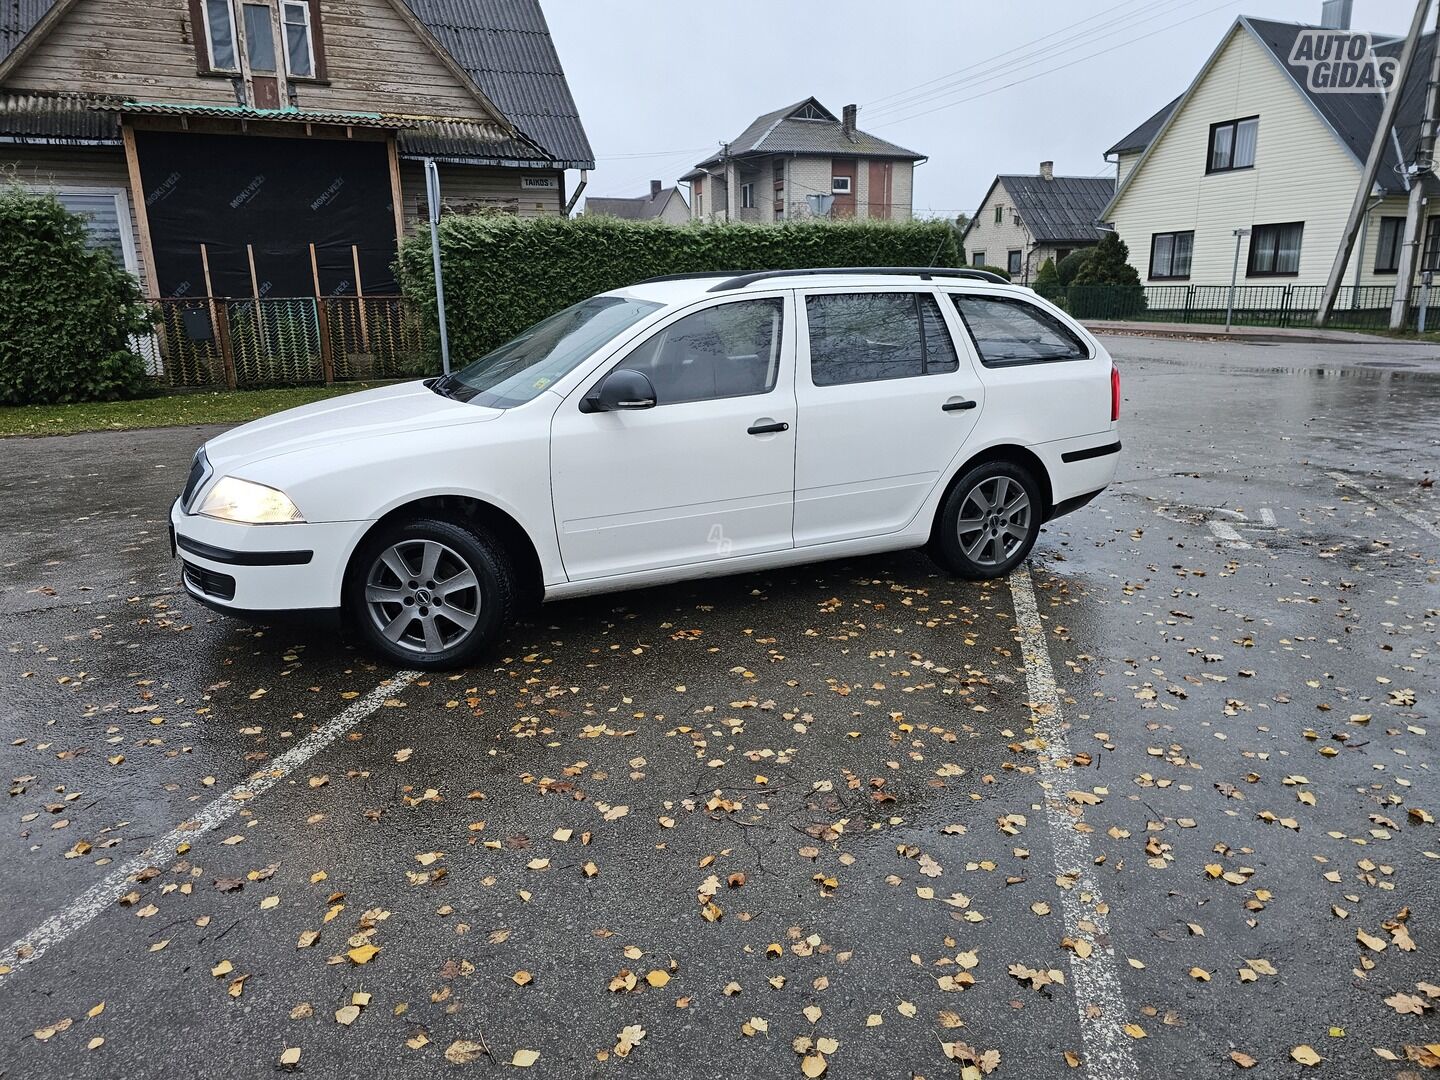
(263, 568)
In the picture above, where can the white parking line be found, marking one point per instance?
(1380, 500)
(115, 884)
(1096, 979)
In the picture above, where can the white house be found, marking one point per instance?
(1024, 220)
(1251, 145)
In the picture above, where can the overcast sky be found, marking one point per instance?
(979, 88)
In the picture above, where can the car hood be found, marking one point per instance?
(388, 410)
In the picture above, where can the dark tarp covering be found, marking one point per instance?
(279, 195)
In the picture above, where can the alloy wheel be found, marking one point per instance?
(994, 520)
(423, 596)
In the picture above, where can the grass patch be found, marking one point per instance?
(173, 410)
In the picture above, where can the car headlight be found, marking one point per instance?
(233, 499)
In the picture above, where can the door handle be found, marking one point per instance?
(758, 428)
(956, 406)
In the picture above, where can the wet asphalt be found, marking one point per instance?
(839, 758)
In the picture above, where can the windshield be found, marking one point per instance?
(520, 370)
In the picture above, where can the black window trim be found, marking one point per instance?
(803, 301)
(1151, 275)
(1086, 353)
(1393, 268)
(1250, 270)
(1234, 126)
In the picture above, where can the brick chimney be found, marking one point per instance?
(847, 125)
(1047, 170)
(655, 189)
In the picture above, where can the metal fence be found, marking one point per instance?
(219, 342)
(1365, 307)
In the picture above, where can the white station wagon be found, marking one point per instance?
(680, 428)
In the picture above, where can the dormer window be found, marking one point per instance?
(270, 35)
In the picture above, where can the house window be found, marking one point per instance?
(999, 215)
(747, 196)
(977, 258)
(220, 35)
(299, 51)
(1012, 262)
(1430, 258)
(1232, 144)
(107, 221)
(259, 38)
(840, 185)
(1387, 251)
(1275, 250)
(1170, 255)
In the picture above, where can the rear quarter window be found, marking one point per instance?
(1007, 330)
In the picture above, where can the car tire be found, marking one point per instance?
(989, 521)
(430, 593)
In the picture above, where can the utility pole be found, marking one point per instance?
(1415, 213)
(1372, 168)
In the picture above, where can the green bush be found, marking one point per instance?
(1047, 281)
(1108, 265)
(67, 312)
(502, 273)
(1070, 265)
(992, 269)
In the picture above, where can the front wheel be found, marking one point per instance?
(989, 521)
(431, 593)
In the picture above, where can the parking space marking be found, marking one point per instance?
(1096, 979)
(110, 888)
(1380, 500)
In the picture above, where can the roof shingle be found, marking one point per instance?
(1062, 209)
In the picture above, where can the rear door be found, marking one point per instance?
(885, 403)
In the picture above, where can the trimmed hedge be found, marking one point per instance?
(67, 312)
(504, 273)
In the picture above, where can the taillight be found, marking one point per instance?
(1114, 393)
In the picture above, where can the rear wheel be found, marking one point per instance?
(431, 593)
(989, 521)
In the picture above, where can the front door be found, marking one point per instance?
(706, 474)
(886, 403)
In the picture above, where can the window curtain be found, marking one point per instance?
(1246, 134)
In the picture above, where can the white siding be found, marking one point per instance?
(1301, 173)
(997, 241)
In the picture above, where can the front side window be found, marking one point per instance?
(1009, 331)
(747, 196)
(731, 350)
(299, 53)
(1012, 263)
(1170, 255)
(1232, 144)
(259, 38)
(220, 35)
(840, 185)
(977, 258)
(522, 369)
(865, 337)
(1387, 250)
(1275, 249)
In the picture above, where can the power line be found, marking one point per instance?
(1041, 56)
(988, 68)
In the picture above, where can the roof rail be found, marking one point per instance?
(925, 273)
(696, 275)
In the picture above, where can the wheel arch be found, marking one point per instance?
(1014, 453)
(467, 510)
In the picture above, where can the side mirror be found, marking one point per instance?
(623, 388)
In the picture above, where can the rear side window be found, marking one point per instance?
(865, 337)
(1009, 331)
(732, 350)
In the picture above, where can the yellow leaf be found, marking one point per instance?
(224, 967)
(347, 1014)
(269, 902)
(522, 978)
(96, 1010)
(525, 1058)
(290, 1057)
(658, 978)
(363, 954)
(1135, 1031)
(813, 1065)
(95, 1043)
(459, 1052)
(1306, 1055)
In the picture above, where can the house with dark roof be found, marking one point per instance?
(665, 204)
(771, 170)
(1257, 144)
(1024, 220)
(276, 147)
